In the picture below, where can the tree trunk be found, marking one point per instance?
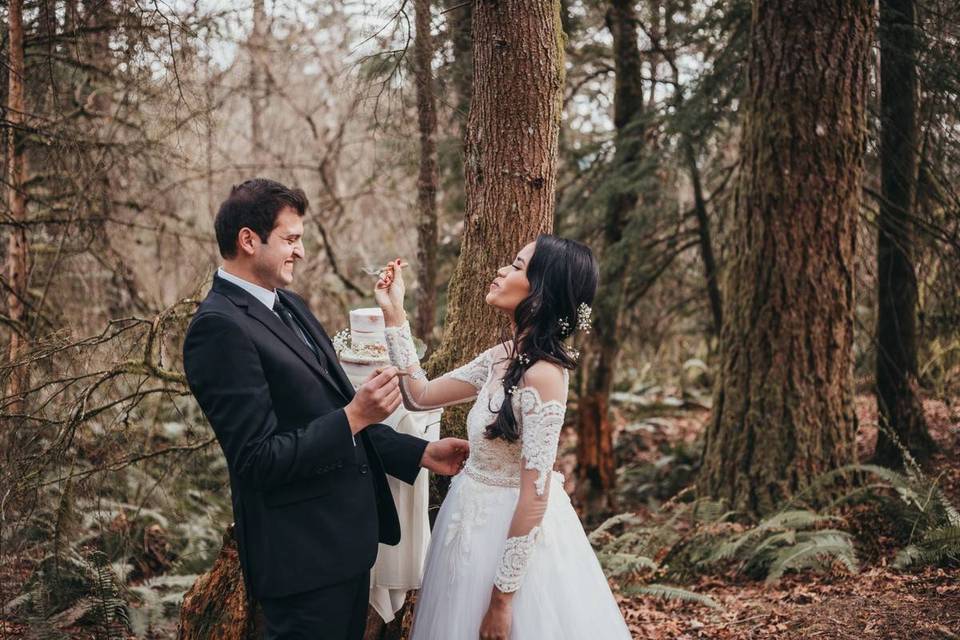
(595, 462)
(17, 247)
(510, 165)
(899, 406)
(459, 17)
(783, 405)
(256, 45)
(427, 180)
(704, 236)
(216, 606)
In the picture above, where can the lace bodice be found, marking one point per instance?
(498, 462)
(538, 404)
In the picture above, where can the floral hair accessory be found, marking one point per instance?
(583, 317)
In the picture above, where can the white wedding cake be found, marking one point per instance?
(362, 349)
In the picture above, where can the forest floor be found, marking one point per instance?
(659, 434)
(878, 602)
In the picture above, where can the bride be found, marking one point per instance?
(508, 557)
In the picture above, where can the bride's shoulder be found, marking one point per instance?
(549, 379)
(500, 351)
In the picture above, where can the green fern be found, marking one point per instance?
(672, 593)
(788, 540)
(816, 550)
(617, 564)
(626, 555)
(938, 546)
(110, 608)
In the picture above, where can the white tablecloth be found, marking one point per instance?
(400, 568)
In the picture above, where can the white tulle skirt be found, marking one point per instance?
(564, 594)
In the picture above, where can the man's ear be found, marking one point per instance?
(247, 241)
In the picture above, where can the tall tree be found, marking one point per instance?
(510, 158)
(595, 461)
(17, 247)
(427, 180)
(257, 46)
(783, 405)
(900, 408)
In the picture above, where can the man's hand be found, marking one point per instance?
(377, 398)
(446, 456)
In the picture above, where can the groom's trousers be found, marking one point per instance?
(335, 612)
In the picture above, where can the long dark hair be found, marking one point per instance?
(563, 275)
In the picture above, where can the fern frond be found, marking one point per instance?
(812, 553)
(937, 546)
(617, 563)
(672, 593)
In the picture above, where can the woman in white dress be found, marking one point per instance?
(508, 558)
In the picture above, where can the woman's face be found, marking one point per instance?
(511, 286)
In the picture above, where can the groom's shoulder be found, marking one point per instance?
(296, 296)
(216, 308)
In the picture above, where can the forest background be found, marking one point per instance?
(763, 436)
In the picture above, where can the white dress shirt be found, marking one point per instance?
(267, 296)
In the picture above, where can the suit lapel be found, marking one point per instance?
(267, 318)
(321, 339)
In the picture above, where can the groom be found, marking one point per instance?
(307, 458)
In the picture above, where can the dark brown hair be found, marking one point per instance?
(254, 204)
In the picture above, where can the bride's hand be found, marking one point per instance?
(389, 293)
(496, 623)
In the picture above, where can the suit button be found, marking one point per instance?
(364, 468)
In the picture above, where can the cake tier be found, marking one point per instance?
(367, 321)
(364, 339)
(357, 372)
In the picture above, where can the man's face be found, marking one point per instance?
(274, 260)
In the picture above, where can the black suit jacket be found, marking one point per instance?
(309, 505)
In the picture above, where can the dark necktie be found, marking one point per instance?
(294, 326)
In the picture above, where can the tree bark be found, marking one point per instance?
(783, 405)
(427, 180)
(704, 236)
(216, 606)
(17, 247)
(460, 32)
(897, 400)
(596, 468)
(510, 165)
(257, 45)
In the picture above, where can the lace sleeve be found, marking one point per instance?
(539, 407)
(420, 394)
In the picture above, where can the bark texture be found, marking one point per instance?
(510, 161)
(216, 606)
(427, 179)
(783, 405)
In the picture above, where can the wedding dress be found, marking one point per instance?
(506, 520)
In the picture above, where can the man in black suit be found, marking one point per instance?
(306, 454)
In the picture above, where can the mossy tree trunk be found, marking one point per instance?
(783, 405)
(427, 179)
(217, 606)
(510, 160)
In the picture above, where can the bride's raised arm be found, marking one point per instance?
(420, 394)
